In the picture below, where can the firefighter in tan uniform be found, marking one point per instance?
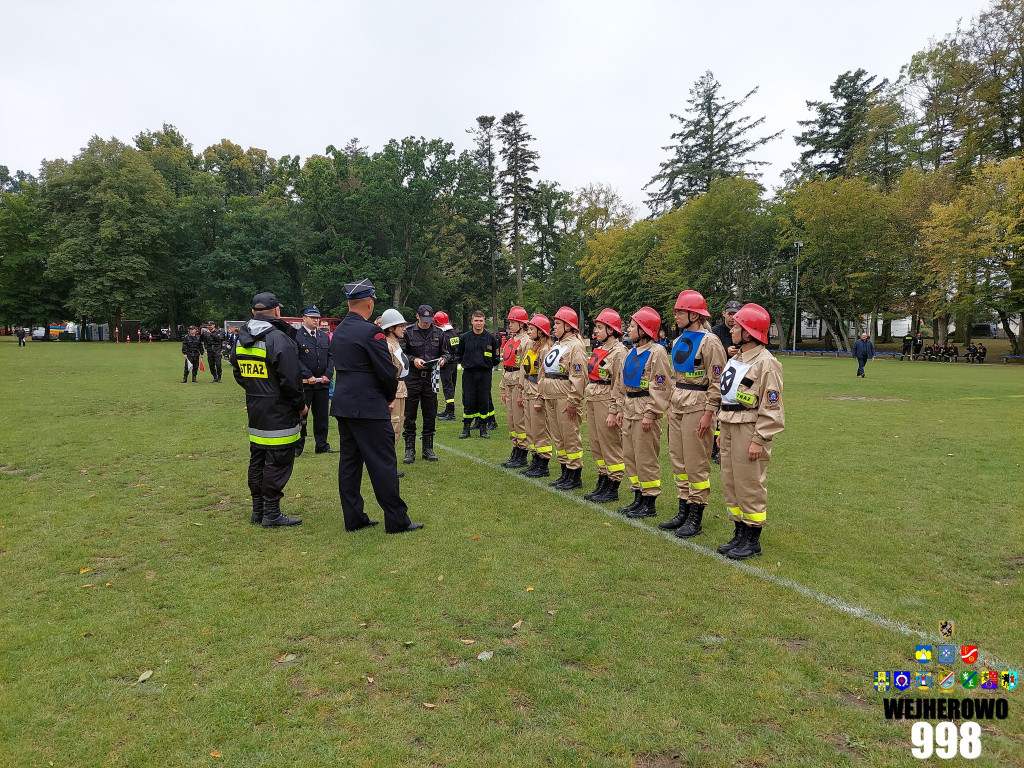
(393, 325)
(539, 330)
(752, 414)
(563, 384)
(604, 368)
(645, 386)
(698, 359)
(512, 386)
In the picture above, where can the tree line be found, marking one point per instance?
(907, 198)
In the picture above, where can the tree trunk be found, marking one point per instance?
(844, 342)
(1004, 318)
(515, 252)
(887, 330)
(828, 326)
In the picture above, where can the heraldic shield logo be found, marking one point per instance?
(1007, 680)
(968, 654)
(969, 679)
(923, 654)
(882, 681)
(946, 628)
(947, 680)
(947, 654)
(923, 681)
(989, 680)
(901, 680)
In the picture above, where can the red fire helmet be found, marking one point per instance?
(753, 318)
(692, 301)
(610, 318)
(649, 321)
(541, 323)
(568, 316)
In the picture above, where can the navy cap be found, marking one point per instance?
(425, 312)
(193, 328)
(265, 301)
(733, 306)
(311, 311)
(361, 289)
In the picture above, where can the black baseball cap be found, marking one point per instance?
(265, 301)
(425, 312)
(732, 306)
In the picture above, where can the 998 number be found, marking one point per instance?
(942, 740)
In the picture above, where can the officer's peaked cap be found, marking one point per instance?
(361, 289)
(265, 301)
(311, 311)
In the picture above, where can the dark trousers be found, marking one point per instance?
(213, 358)
(449, 375)
(269, 470)
(370, 442)
(21, 343)
(476, 393)
(319, 403)
(420, 396)
(195, 367)
(861, 362)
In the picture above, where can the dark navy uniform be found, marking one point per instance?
(315, 363)
(426, 344)
(265, 363)
(192, 349)
(214, 343)
(477, 353)
(364, 386)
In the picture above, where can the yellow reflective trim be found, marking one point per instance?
(717, 433)
(251, 351)
(560, 453)
(544, 449)
(651, 484)
(600, 462)
(684, 477)
(574, 456)
(633, 479)
(755, 517)
(511, 433)
(521, 435)
(734, 512)
(615, 467)
(744, 398)
(701, 486)
(274, 440)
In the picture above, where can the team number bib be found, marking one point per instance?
(633, 368)
(253, 369)
(733, 374)
(553, 360)
(403, 363)
(684, 351)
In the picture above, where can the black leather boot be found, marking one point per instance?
(428, 448)
(272, 517)
(736, 539)
(466, 424)
(511, 457)
(611, 492)
(561, 478)
(257, 510)
(692, 527)
(410, 450)
(679, 520)
(534, 461)
(519, 459)
(574, 480)
(483, 431)
(602, 481)
(542, 468)
(646, 508)
(638, 498)
(750, 546)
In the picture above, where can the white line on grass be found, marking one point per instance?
(832, 602)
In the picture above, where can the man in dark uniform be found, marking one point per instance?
(478, 350)
(918, 344)
(365, 384)
(424, 343)
(908, 343)
(20, 333)
(724, 333)
(192, 349)
(213, 340)
(450, 373)
(266, 364)
(317, 369)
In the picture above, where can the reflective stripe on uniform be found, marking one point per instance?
(701, 486)
(257, 350)
(574, 456)
(615, 467)
(521, 435)
(559, 453)
(600, 462)
(684, 477)
(275, 436)
(634, 479)
(754, 517)
(651, 484)
(734, 512)
(544, 449)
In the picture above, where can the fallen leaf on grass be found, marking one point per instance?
(108, 584)
(949, 454)
(84, 570)
(551, 613)
(144, 676)
(409, 643)
(476, 538)
(518, 624)
(485, 655)
(199, 524)
(86, 586)
(298, 495)
(286, 657)
(215, 753)
(467, 641)
(607, 523)
(529, 589)
(369, 680)
(363, 624)
(441, 577)
(428, 705)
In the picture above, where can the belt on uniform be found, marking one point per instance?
(733, 407)
(638, 394)
(695, 387)
(600, 383)
(512, 368)
(531, 377)
(556, 376)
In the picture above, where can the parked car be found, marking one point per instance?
(40, 334)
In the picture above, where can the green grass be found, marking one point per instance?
(632, 650)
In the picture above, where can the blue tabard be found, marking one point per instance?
(633, 370)
(684, 351)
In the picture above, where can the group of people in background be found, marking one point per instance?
(209, 339)
(915, 348)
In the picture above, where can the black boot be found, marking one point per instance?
(679, 520)
(646, 508)
(540, 469)
(410, 450)
(736, 539)
(534, 462)
(521, 454)
(716, 453)
(465, 428)
(602, 482)
(561, 479)
(750, 546)
(428, 448)
(573, 480)
(272, 517)
(610, 493)
(401, 473)
(693, 522)
(638, 498)
(511, 458)
(257, 510)
(185, 380)
(483, 431)
(491, 423)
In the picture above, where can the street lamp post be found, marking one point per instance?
(796, 288)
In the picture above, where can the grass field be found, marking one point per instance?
(126, 550)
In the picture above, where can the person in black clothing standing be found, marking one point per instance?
(266, 364)
(724, 333)
(908, 344)
(424, 343)
(918, 345)
(863, 350)
(478, 352)
(213, 340)
(317, 369)
(364, 386)
(450, 373)
(192, 349)
(20, 333)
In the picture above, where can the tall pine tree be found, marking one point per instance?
(517, 189)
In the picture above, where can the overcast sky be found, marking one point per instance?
(595, 79)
